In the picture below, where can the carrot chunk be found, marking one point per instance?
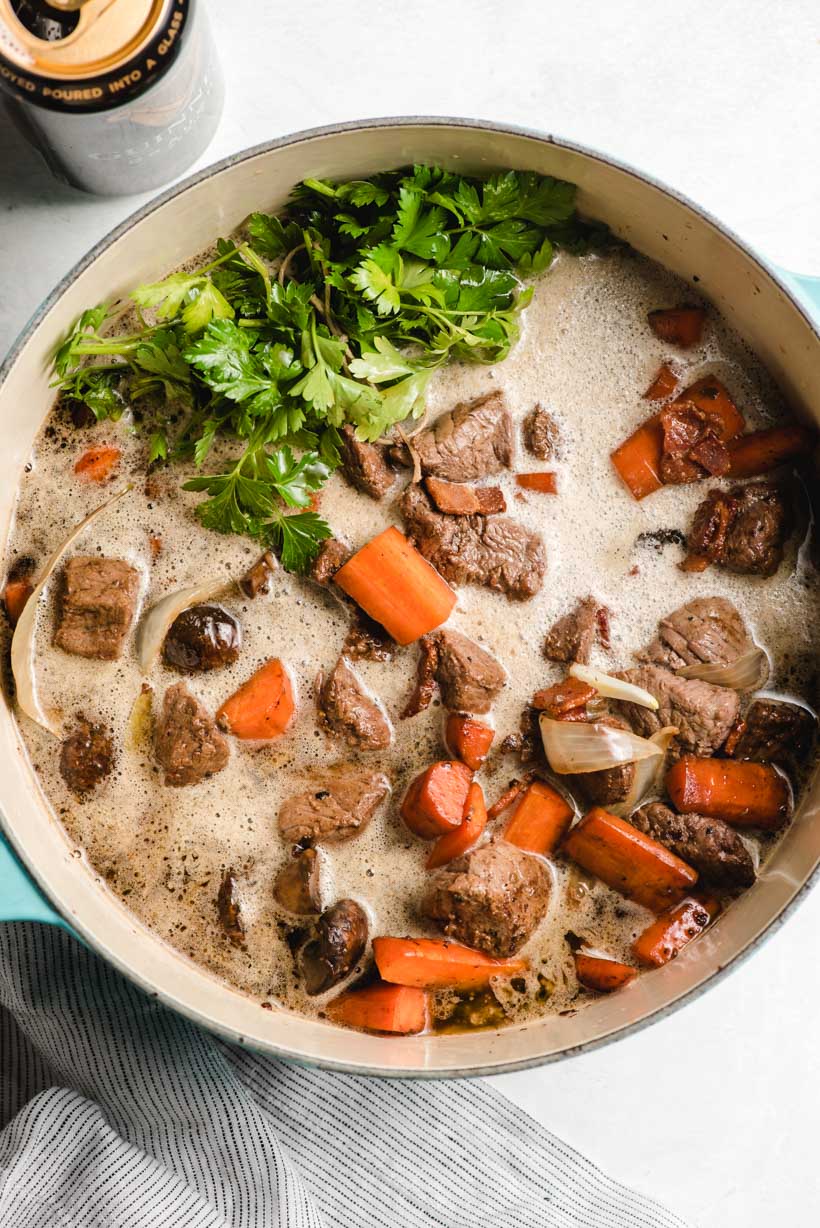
(638, 459)
(563, 697)
(454, 843)
(401, 1009)
(98, 464)
(761, 451)
(628, 861)
(667, 936)
(735, 790)
(434, 963)
(262, 707)
(435, 802)
(15, 595)
(605, 975)
(540, 820)
(681, 326)
(397, 587)
(543, 482)
(469, 740)
(663, 385)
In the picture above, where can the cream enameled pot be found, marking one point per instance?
(771, 310)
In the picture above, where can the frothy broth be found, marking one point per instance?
(587, 356)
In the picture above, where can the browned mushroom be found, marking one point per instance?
(341, 940)
(296, 886)
(228, 907)
(202, 637)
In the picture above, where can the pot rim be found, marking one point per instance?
(145, 211)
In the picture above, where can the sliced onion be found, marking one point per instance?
(22, 644)
(747, 673)
(157, 621)
(614, 688)
(647, 773)
(581, 746)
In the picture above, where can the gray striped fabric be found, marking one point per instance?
(116, 1113)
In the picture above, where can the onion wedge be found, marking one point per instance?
(613, 688)
(156, 622)
(647, 774)
(747, 673)
(22, 644)
(589, 746)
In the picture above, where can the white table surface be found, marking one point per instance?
(715, 1110)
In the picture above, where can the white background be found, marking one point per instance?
(714, 1111)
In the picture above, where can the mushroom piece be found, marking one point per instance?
(332, 956)
(297, 885)
(229, 909)
(201, 638)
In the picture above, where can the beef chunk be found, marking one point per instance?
(610, 786)
(229, 909)
(774, 731)
(571, 637)
(703, 713)
(743, 530)
(364, 465)
(491, 899)
(339, 945)
(297, 886)
(187, 743)
(257, 579)
(496, 551)
(347, 710)
(707, 630)
(86, 757)
(691, 445)
(97, 606)
(469, 677)
(368, 640)
(339, 804)
(456, 500)
(202, 638)
(332, 555)
(711, 846)
(473, 441)
(540, 433)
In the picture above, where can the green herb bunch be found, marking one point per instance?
(338, 311)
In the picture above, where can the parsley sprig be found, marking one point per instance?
(337, 311)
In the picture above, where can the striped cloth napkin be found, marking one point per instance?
(116, 1113)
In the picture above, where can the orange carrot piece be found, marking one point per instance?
(735, 790)
(262, 707)
(454, 843)
(469, 740)
(663, 385)
(15, 595)
(397, 587)
(435, 963)
(712, 398)
(638, 459)
(666, 937)
(400, 1009)
(97, 464)
(540, 820)
(681, 326)
(605, 975)
(435, 802)
(628, 861)
(761, 451)
(543, 482)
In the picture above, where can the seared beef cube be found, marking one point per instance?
(571, 637)
(609, 786)
(332, 555)
(774, 731)
(494, 551)
(298, 886)
(340, 804)
(492, 899)
(743, 530)
(257, 579)
(540, 433)
(706, 630)
(469, 677)
(368, 640)
(187, 743)
(703, 713)
(86, 757)
(365, 464)
(473, 441)
(710, 846)
(97, 604)
(347, 710)
(229, 908)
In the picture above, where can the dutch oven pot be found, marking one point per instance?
(773, 311)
